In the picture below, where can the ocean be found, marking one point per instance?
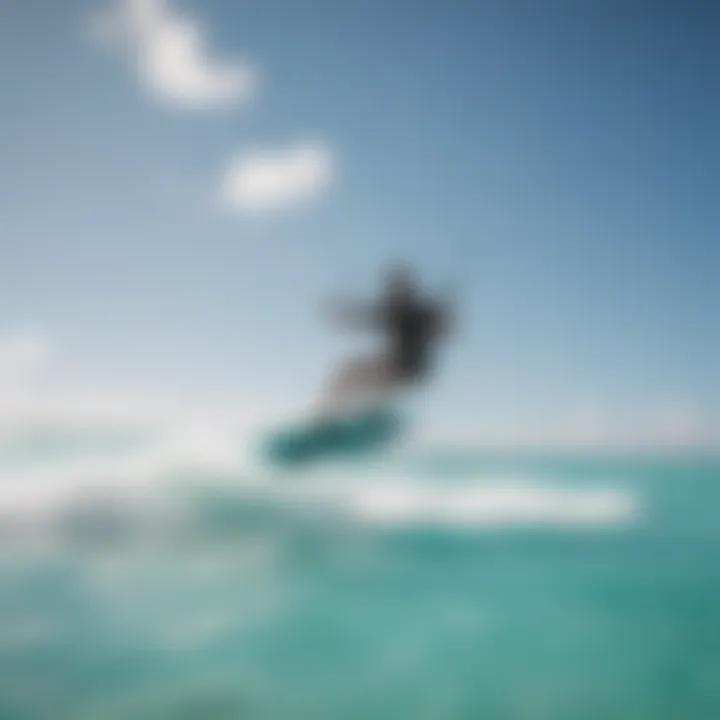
(501, 586)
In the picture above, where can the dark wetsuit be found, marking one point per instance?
(411, 327)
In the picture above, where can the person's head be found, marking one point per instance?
(400, 283)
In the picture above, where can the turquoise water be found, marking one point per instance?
(445, 586)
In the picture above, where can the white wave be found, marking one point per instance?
(146, 482)
(36, 485)
(483, 503)
(486, 505)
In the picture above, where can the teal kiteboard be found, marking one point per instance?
(353, 434)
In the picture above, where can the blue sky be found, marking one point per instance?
(557, 161)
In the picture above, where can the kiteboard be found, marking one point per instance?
(349, 435)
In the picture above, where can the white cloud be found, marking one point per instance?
(23, 354)
(33, 393)
(170, 54)
(35, 397)
(666, 424)
(36, 401)
(266, 180)
(682, 424)
(593, 425)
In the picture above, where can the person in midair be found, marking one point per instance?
(411, 324)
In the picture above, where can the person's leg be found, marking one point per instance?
(355, 379)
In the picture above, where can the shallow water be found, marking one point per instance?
(443, 586)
